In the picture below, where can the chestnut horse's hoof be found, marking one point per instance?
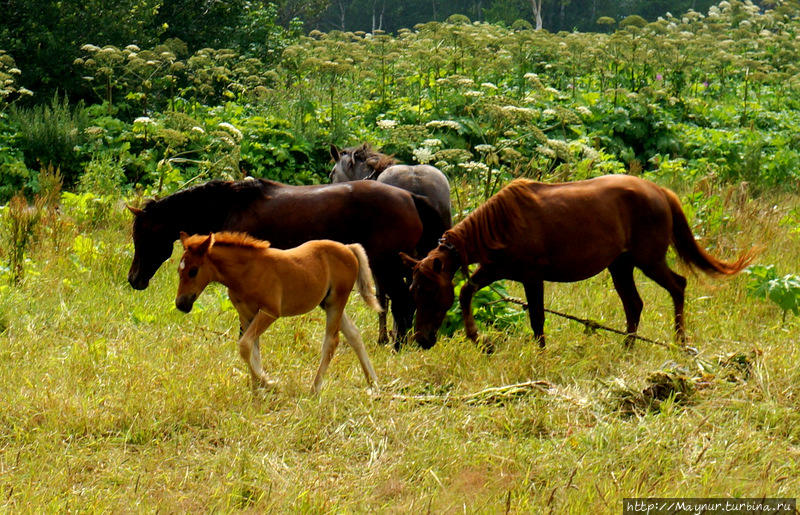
(485, 344)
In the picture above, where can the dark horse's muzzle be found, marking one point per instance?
(185, 302)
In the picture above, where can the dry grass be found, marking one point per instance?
(112, 400)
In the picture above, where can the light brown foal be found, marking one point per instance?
(265, 284)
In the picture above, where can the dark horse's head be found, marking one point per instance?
(356, 163)
(432, 291)
(152, 244)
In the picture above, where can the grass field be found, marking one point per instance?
(112, 400)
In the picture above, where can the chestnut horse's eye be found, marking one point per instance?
(193, 272)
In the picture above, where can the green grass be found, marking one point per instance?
(112, 400)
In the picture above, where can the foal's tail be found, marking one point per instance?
(691, 253)
(366, 287)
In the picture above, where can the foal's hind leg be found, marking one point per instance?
(330, 341)
(622, 275)
(676, 285)
(354, 340)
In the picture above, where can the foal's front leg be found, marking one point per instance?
(248, 348)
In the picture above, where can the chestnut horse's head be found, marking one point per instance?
(152, 244)
(432, 291)
(193, 271)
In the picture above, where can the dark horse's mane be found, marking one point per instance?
(380, 162)
(496, 224)
(214, 193)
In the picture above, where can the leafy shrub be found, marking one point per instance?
(783, 291)
(489, 308)
(49, 134)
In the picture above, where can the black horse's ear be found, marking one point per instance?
(135, 210)
(408, 260)
(335, 154)
(361, 152)
(437, 265)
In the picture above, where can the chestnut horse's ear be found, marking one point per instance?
(408, 260)
(183, 237)
(206, 245)
(335, 154)
(135, 210)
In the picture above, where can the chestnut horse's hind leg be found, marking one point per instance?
(354, 340)
(534, 293)
(676, 285)
(248, 348)
(622, 275)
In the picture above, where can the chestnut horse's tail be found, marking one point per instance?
(691, 253)
(366, 286)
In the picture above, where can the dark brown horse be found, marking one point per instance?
(533, 232)
(383, 219)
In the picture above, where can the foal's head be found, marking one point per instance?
(432, 291)
(193, 270)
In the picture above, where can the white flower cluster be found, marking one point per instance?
(432, 144)
(473, 93)
(386, 124)
(484, 149)
(517, 109)
(438, 124)
(198, 130)
(144, 120)
(531, 76)
(488, 85)
(549, 113)
(233, 131)
(584, 111)
(474, 167)
(423, 155)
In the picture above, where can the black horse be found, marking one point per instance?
(383, 219)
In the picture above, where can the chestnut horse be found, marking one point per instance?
(265, 284)
(383, 219)
(533, 232)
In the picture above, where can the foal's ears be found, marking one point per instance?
(335, 154)
(408, 260)
(135, 210)
(203, 247)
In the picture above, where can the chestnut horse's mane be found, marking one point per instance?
(496, 224)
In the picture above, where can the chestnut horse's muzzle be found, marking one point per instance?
(185, 302)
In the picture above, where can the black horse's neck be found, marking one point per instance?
(205, 208)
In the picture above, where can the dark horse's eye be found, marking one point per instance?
(193, 272)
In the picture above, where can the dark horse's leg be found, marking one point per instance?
(391, 283)
(675, 284)
(622, 275)
(534, 293)
(383, 335)
(483, 276)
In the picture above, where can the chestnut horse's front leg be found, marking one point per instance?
(534, 293)
(248, 348)
(482, 277)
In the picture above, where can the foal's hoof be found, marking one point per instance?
(265, 383)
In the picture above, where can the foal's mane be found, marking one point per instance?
(239, 239)
(496, 224)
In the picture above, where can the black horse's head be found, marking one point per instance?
(152, 243)
(356, 163)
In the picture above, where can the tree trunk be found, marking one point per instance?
(536, 7)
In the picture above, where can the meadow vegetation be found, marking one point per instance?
(113, 400)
